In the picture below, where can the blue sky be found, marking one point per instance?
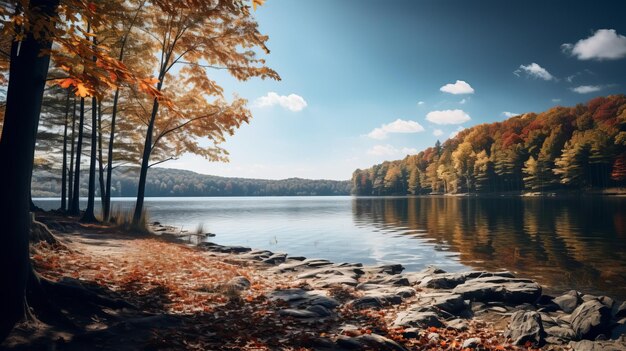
(365, 81)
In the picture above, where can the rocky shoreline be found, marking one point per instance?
(435, 299)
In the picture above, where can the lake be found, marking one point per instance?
(563, 243)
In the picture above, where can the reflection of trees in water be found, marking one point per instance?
(564, 243)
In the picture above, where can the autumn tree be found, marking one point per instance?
(196, 38)
(464, 159)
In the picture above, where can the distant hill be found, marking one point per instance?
(565, 148)
(176, 182)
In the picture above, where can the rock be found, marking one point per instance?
(336, 280)
(547, 320)
(417, 277)
(348, 343)
(379, 342)
(416, 318)
(257, 254)
(300, 298)
(563, 333)
(587, 345)
(322, 300)
(398, 280)
(298, 313)
(239, 283)
(478, 307)
(297, 258)
(224, 249)
(619, 331)
(433, 337)
(288, 295)
(411, 333)
(316, 262)
(498, 309)
(620, 312)
(443, 281)
(376, 301)
(458, 324)
(319, 310)
(388, 268)
(591, 319)
(526, 327)
(319, 344)
(569, 301)
(405, 292)
(330, 272)
(496, 288)
(451, 303)
(471, 343)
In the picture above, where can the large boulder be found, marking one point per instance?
(526, 327)
(590, 319)
(451, 303)
(418, 318)
(568, 301)
(499, 288)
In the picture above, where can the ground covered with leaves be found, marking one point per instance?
(183, 298)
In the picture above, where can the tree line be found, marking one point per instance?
(174, 182)
(89, 86)
(565, 148)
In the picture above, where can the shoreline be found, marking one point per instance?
(236, 298)
(517, 307)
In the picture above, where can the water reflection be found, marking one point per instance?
(564, 243)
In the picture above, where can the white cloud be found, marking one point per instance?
(291, 102)
(585, 89)
(437, 132)
(389, 150)
(420, 102)
(556, 100)
(508, 114)
(397, 126)
(535, 71)
(448, 117)
(604, 44)
(463, 101)
(456, 132)
(460, 87)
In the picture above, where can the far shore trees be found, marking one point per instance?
(565, 148)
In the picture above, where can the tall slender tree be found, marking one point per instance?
(64, 166)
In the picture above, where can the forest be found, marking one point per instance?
(176, 182)
(577, 148)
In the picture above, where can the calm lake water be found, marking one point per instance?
(564, 243)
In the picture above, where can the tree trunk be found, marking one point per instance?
(64, 170)
(75, 208)
(71, 175)
(28, 71)
(100, 165)
(145, 160)
(106, 210)
(89, 216)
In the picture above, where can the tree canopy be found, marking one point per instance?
(578, 147)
